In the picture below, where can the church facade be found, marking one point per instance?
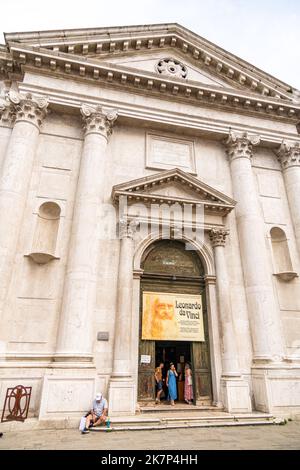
(149, 212)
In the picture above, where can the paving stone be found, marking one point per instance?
(258, 437)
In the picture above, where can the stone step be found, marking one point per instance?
(183, 425)
(178, 422)
(176, 408)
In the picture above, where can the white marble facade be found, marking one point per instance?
(153, 113)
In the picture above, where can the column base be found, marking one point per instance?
(235, 395)
(121, 396)
(67, 391)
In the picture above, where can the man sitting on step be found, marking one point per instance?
(98, 413)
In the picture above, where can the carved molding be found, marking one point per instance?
(218, 237)
(240, 144)
(127, 228)
(98, 119)
(288, 154)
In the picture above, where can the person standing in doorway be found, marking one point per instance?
(159, 381)
(171, 384)
(188, 384)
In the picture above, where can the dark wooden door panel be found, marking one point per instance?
(146, 382)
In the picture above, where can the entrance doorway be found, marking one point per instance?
(170, 268)
(178, 352)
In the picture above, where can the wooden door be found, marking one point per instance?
(201, 364)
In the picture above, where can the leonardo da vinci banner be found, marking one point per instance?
(172, 317)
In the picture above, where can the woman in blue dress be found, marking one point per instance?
(171, 383)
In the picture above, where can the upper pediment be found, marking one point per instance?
(174, 186)
(140, 47)
(170, 64)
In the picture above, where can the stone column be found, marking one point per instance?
(230, 363)
(264, 318)
(235, 390)
(289, 157)
(28, 112)
(121, 387)
(75, 334)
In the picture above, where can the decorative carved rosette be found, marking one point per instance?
(218, 237)
(240, 145)
(288, 154)
(172, 68)
(127, 228)
(98, 119)
(27, 107)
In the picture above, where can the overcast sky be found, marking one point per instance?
(266, 33)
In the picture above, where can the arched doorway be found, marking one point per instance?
(168, 267)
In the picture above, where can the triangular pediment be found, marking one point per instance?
(174, 186)
(168, 59)
(139, 48)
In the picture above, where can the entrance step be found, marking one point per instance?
(177, 408)
(183, 420)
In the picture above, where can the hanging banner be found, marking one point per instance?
(172, 317)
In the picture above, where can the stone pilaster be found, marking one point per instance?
(289, 157)
(75, 337)
(26, 113)
(121, 388)
(230, 352)
(263, 311)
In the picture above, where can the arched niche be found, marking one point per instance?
(281, 255)
(46, 232)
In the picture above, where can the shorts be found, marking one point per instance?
(159, 385)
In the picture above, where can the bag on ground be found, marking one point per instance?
(82, 423)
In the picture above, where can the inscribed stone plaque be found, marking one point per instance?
(103, 336)
(166, 152)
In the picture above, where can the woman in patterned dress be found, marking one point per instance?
(188, 385)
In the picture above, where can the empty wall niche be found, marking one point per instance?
(281, 255)
(46, 232)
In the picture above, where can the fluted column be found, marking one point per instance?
(230, 364)
(27, 112)
(263, 311)
(289, 156)
(121, 390)
(75, 334)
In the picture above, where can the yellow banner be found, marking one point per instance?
(172, 317)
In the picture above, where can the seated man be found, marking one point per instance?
(98, 413)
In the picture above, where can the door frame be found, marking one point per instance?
(205, 253)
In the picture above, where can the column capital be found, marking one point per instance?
(27, 107)
(218, 236)
(7, 111)
(240, 144)
(98, 120)
(288, 154)
(127, 228)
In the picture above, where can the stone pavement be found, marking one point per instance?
(249, 437)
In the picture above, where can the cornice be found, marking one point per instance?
(101, 41)
(153, 84)
(145, 113)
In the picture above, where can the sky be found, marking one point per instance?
(265, 33)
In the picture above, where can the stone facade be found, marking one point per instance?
(152, 115)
